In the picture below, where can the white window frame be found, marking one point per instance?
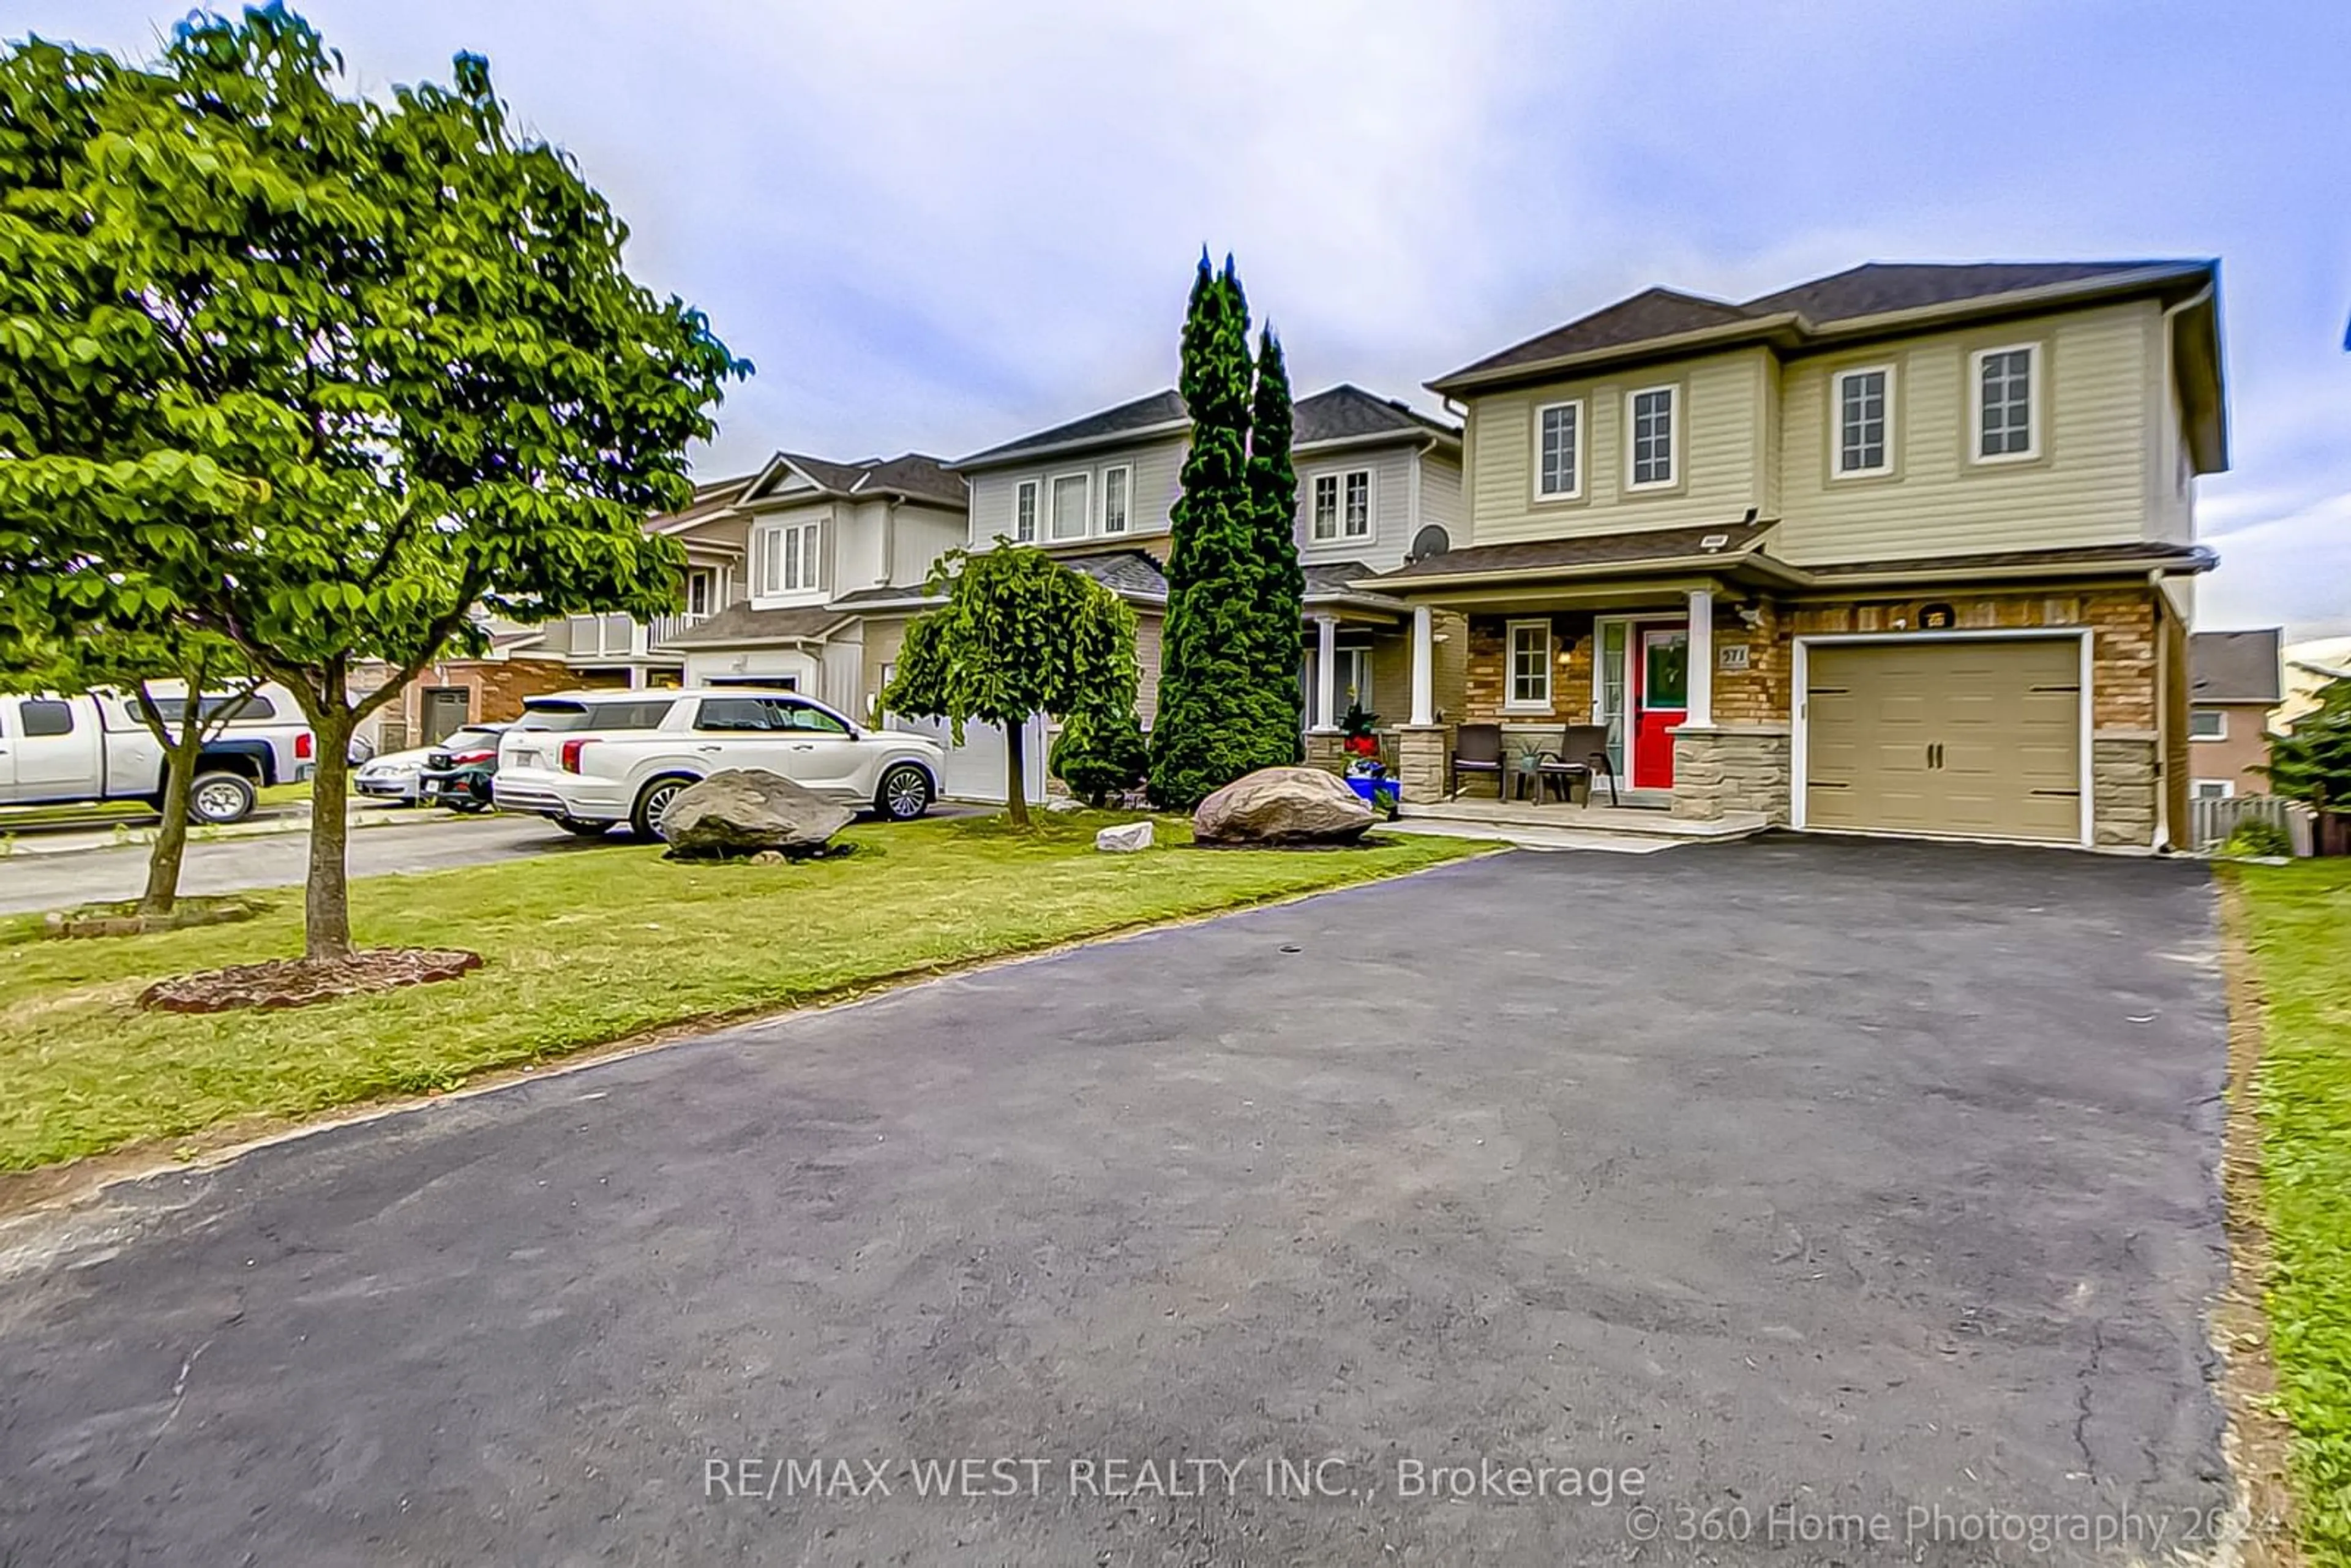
(804, 553)
(2219, 717)
(1575, 450)
(1028, 491)
(1673, 393)
(2212, 789)
(1315, 533)
(1125, 472)
(1345, 658)
(1511, 701)
(1371, 505)
(1053, 534)
(1837, 470)
(2035, 383)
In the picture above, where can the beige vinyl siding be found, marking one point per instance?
(2087, 485)
(1391, 536)
(1146, 659)
(1440, 498)
(1157, 480)
(1722, 413)
(922, 534)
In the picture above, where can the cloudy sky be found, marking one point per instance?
(939, 224)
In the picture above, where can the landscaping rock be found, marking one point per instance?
(1124, 839)
(300, 982)
(1282, 806)
(742, 811)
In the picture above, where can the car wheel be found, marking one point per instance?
(652, 805)
(580, 829)
(904, 793)
(218, 797)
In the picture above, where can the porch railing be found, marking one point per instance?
(619, 637)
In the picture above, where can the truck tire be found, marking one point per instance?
(905, 793)
(653, 801)
(219, 798)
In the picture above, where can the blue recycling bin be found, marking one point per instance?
(1379, 794)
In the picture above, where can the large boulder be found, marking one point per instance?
(746, 811)
(1282, 806)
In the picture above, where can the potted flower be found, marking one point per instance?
(1359, 728)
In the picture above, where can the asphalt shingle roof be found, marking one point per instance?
(1129, 573)
(1872, 288)
(738, 622)
(2235, 666)
(1344, 412)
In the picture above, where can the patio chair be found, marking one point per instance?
(1477, 748)
(1582, 751)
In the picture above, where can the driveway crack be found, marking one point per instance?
(179, 1398)
(2081, 1402)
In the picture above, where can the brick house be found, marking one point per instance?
(1908, 549)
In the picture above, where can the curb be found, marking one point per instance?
(13, 847)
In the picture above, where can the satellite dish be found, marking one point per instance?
(1431, 540)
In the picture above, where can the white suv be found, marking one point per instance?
(588, 760)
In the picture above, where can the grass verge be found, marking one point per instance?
(583, 948)
(2298, 926)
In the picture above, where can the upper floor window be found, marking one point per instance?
(1558, 455)
(788, 558)
(1024, 513)
(1071, 492)
(2007, 416)
(2208, 724)
(1342, 505)
(1864, 422)
(1650, 424)
(697, 593)
(1115, 484)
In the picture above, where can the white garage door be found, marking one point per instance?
(976, 768)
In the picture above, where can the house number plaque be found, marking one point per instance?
(1730, 656)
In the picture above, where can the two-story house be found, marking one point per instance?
(1377, 485)
(805, 574)
(1907, 549)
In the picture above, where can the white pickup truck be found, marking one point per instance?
(588, 760)
(61, 750)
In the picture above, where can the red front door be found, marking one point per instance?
(1660, 701)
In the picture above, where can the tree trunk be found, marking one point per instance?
(1015, 772)
(171, 848)
(325, 895)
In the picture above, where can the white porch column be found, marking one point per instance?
(1424, 665)
(1702, 658)
(1326, 672)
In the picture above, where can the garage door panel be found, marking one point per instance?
(1980, 739)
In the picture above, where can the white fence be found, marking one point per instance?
(2210, 822)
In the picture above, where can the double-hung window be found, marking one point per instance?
(788, 559)
(1559, 455)
(1649, 426)
(1529, 668)
(1024, 512)
(1116, 485)
(2008, 427)
(1342, 505)
(1864, 422)
(1071, 492)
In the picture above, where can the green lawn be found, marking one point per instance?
(2300, 920)
(583, 948)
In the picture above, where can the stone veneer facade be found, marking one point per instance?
(1742, 761)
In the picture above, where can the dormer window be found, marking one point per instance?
(785, 558)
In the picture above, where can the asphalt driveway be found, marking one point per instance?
(1794, 1201)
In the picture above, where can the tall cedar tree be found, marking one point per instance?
(324, 373)
(2312, 762)
(1215, 712)
(1019, 634)
(1281, 582)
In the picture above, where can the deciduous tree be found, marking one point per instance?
(2312, 762)
(323, 373)
(1019, 634)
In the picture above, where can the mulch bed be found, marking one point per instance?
(299, 982)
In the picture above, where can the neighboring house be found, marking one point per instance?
(815, 568)
(1377, 483)
(451, 693)
(2232, 686)
(2309, 667)
(1900, 549)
